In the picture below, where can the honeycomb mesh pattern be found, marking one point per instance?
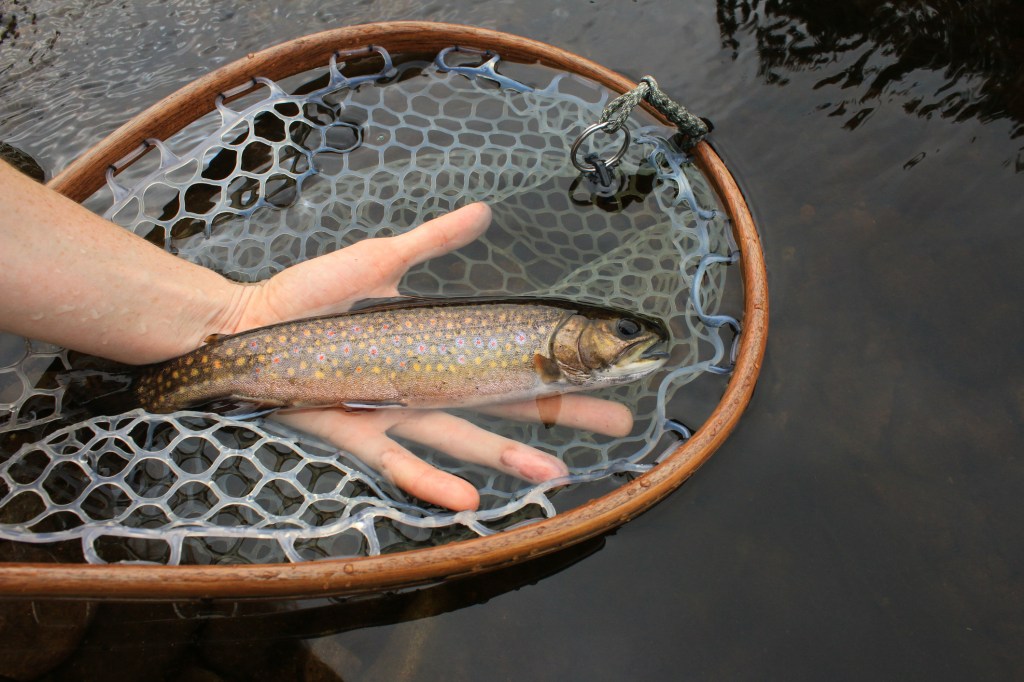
(292, 170)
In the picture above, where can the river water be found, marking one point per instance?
(864, 520)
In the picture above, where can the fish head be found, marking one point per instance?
(602, 347)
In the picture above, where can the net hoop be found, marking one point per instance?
(403, 569)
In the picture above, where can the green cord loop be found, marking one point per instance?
(615, 114)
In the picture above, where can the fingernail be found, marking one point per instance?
(532, 466)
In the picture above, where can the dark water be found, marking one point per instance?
(865, 520)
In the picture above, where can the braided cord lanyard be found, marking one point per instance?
(613, 119)
(598, 170)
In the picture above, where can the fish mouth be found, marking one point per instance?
(642, 358)
(655, 348)
(656, 351)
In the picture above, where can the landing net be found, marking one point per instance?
(291, 170)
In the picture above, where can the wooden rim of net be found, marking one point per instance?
(390, 571)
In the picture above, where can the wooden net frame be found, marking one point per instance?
(403, 569)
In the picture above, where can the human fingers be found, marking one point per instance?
(582, 412)
(364, 436)
(470, 443)
(438, 236)
(376, 265)
(367, 269)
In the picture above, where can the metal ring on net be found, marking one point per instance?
(611, 161)
(205, 463)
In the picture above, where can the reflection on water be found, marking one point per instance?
(201, 640)
(862, 523)
(947, 58)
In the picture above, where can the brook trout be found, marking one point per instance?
(411, 353)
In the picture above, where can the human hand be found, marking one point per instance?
(372, 268)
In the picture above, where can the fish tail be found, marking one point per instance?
(100, 387)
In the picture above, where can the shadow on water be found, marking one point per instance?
(948, 58)
(864, 520)
(251, 640)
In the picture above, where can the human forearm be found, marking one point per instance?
(72, 278)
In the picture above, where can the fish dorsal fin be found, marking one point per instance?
(213, 338)
(384, 302)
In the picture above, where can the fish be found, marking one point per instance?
(406, 352)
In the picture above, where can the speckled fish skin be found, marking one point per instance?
(416, 355)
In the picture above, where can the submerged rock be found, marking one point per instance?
(23, 161)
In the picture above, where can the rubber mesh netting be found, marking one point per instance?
(291, 170)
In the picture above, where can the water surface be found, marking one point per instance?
(863, 522)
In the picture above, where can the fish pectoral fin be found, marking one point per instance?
(215, 337)
(547, 369)
(370, 405)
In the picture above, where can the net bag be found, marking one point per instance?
(362, 133)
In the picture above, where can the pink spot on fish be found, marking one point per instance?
(276, 360)
(346, 349)
(422, 348)
(254, 344)
(478, 342)
(331, 333)
(460, 342)
(520, 338)
(492, 344)
(462, 359)
(321, 357)
(373, 351)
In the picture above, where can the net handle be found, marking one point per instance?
(350, 576)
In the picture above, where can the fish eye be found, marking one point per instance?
(627, 328)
